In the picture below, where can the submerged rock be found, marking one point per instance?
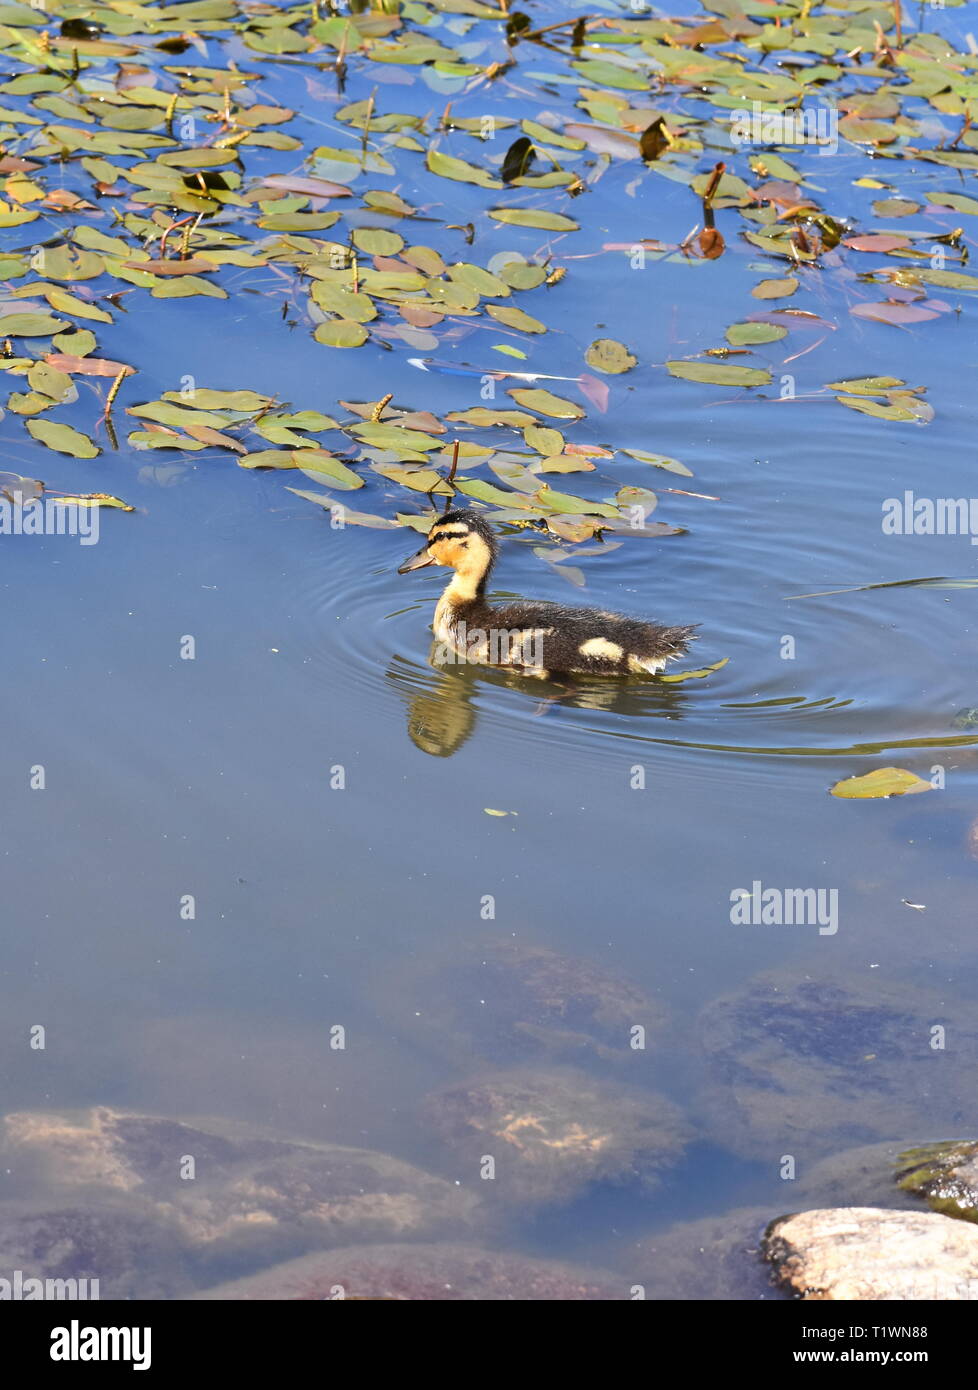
(128, 1251)
(513, 1002)
(225, 1190)
(802, 1065)
(945, 1175)
(864, 1253)
(713, 1258)
(860, 1177)
(449, 1273)
(551, 1134)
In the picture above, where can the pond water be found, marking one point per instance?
(323, 791)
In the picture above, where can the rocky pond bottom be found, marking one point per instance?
(176, 1208)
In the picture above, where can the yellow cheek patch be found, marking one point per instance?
(600, 646)
(444, 552)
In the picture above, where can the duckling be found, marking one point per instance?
(540, 639)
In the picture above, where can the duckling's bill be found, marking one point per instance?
(417, 561)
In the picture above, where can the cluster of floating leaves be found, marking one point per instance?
(124, 140)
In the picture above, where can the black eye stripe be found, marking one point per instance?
(446, 536)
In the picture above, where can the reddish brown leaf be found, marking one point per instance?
(887, 312)
(61, 198)
(791, 318)
(316, 188)
(422, 420)
(876, 241)
(603, 141)
(589, 451)
(13, 164)
(596, 391)
(86, 366)
(418, 317)
(208, 436)
(782, 193)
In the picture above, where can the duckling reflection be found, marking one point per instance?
(442, 698)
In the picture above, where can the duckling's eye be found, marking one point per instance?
(449, 536)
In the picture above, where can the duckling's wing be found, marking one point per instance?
(593, 639)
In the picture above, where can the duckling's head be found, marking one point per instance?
(462, 540)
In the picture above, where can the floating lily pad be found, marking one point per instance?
(752, 334)
(607, 355)
(775, 289)
(341, 333)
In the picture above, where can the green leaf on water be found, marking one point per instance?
(30, 325)
(606, 74)
(448, 167)
(268, 458)
(380, 435)
(417, 479)
(515, 318)
(321, 465)
(960, 202)
(695, 675)
(885, 781)
(63, 439)
(77, 343)
(867, 385)
(719, 373)
(246, 402)
(659, 461)
(298, 221)
(750, 334)
(546, 403)
(882, 410)
(484, 416)
(545, 441)
(177, 416)
(528, 217)
(349, 518)
(164, 439)
(337, 299)
(775, 289)
(486, 492)
(607, 355)
(945, 279)
(375, 241)
(578, 506)
(341, 333)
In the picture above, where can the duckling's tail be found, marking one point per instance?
(668, 644)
